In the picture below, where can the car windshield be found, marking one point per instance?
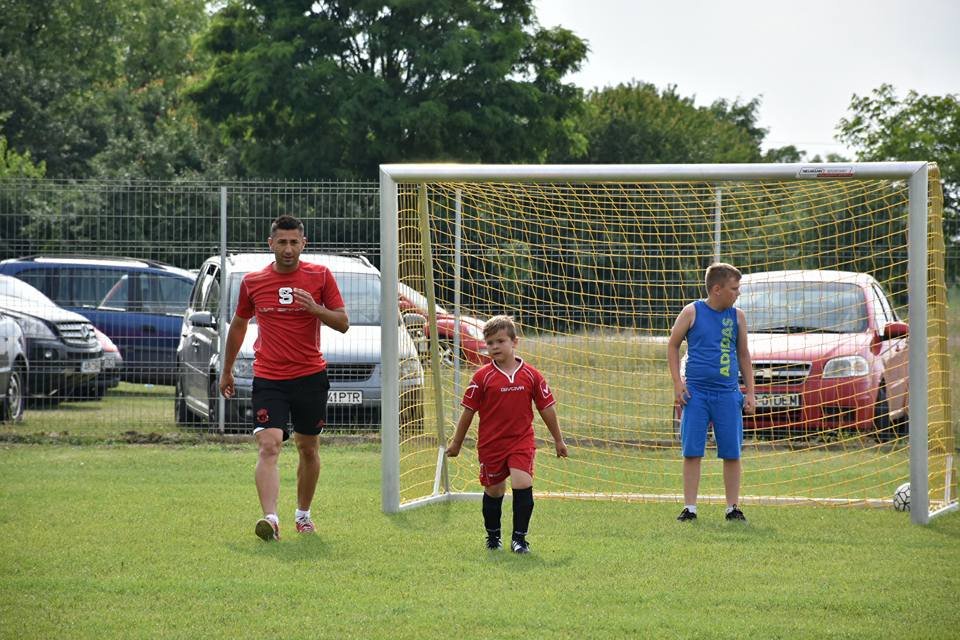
(795, 307)
(360, 293)
(16, 288)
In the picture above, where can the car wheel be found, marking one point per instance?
(182, 414)
(213, 404)
(446, 353)
(881, 415)
(14, 399)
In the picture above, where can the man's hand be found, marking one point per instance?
(226, 384)
(303, 297)
(561, 447)
(453, 449)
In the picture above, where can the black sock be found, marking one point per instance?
(492, 507)
(522, 510)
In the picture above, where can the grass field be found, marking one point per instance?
(107, 538)
(156, 542)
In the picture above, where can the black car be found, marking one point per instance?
(62, 348)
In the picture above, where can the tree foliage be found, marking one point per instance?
(18, 165)
(882, 127)
(90, 87)
(637, 123)
(322, 89)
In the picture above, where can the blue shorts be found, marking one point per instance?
(725, 410)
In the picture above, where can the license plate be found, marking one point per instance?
(778, 401)
(90, 366)
(344, 397)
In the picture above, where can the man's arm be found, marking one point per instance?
(235, 335)
(550, 419)
(746, 365)
(453, 450)
(680, 328)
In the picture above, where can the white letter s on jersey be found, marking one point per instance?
(286, 295)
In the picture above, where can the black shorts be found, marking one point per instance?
(301, 402)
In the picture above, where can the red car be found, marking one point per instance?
(473, 347)
(828, 352)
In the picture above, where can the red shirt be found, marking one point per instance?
(288, 343)
(505, 404)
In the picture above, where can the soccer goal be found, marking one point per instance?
(843, 292)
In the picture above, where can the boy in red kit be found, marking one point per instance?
(503, 392)
(290, 299)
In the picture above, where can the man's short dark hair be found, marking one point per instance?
(285, 222)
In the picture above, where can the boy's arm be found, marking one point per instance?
(453, 449)
(680, 328)
(550, 419)
(746, 365)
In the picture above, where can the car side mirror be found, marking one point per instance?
(414, 321)
(202, 319)
(896, 330)
(416, 325)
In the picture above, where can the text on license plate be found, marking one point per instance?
(90, 366)
(344, 397)
(778, 401)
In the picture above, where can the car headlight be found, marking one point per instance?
(411, 372)
(475, 332)
(243, 368)
(846, 367)
(33, 328)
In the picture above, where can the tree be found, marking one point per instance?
(17, 165)
(81, 77)
(637, 123)
(882, 127)
(335, 88)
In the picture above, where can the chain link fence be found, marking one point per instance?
(125, 256)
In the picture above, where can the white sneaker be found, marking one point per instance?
(267, 530)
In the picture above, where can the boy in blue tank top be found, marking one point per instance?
(716, 335)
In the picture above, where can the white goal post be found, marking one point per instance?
(403, 184)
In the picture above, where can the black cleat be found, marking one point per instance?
(736, 514)
(494, 543)
(686, 515)
(520, 545)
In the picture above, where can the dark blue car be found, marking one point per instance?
(139, 304)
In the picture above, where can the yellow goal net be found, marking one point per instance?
(843, 292)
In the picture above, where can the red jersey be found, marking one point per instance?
(505, 404)
(288, 343)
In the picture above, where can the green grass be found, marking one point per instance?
(113, 540)
(157, 542)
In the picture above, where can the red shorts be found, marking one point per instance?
(496, 469)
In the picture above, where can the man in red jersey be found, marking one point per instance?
(290, 299)
(503, 392)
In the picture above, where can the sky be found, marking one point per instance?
(804, 60)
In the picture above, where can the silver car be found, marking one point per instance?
(13, 370)
(353, 359)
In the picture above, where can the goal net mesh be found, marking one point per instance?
(595, 274)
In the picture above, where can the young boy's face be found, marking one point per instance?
(727, 293)
(502, 347)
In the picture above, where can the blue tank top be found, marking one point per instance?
(712, 363)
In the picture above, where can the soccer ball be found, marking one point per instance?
(901, 497)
